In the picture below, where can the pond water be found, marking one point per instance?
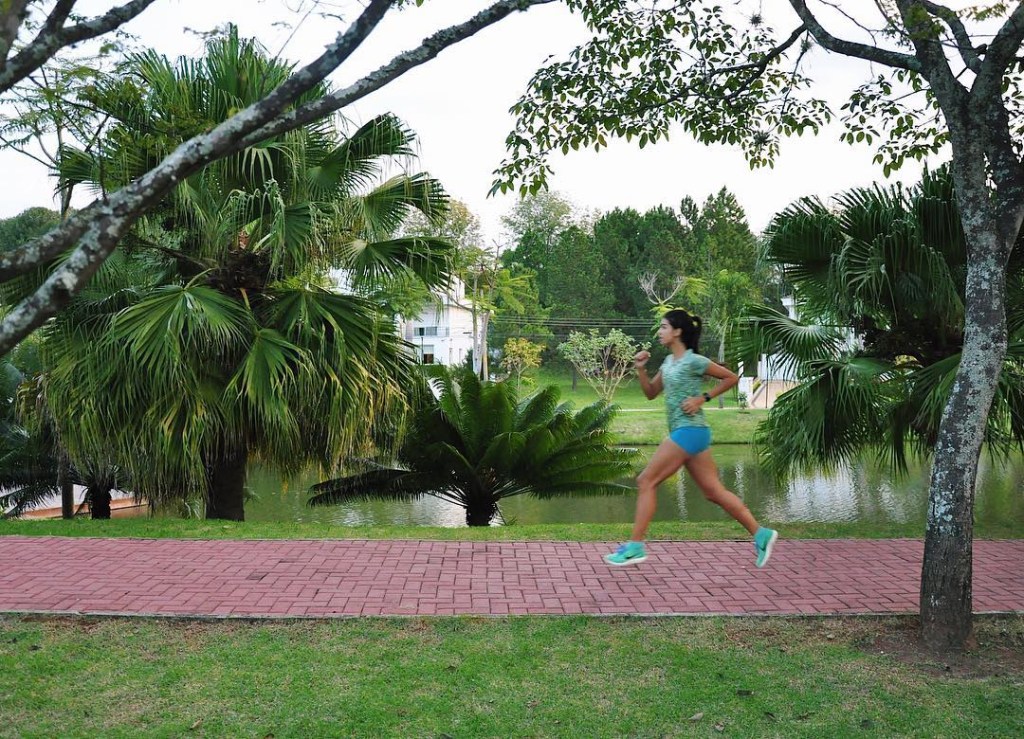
(861, 492)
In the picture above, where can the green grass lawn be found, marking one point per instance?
(522, 677)
(628, 395)
(729, 426)
(642, 421)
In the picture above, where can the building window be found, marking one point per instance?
(425, 331)
(427, 354)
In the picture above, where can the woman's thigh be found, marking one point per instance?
(665, 462)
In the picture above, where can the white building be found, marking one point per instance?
(771, 367)
(775, 375)
(443, 332)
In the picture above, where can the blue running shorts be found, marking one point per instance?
(692, 439)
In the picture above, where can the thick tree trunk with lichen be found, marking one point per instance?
(946, 594)
(947, 571)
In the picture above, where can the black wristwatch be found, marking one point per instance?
(707, 397)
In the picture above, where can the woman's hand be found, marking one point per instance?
(692, 405)
(640, 360)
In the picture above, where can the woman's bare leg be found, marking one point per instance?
(704, 472)
(665, 462)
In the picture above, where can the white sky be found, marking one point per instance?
(458, 105)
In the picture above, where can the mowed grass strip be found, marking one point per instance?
(471, 677)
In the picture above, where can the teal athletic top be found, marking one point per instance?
(683, 379)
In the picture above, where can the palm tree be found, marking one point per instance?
(880, 286)
(476, 445)
(33, 465)
(233, 347)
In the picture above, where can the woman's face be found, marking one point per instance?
(666, 333)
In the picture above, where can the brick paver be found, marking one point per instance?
(327, 578)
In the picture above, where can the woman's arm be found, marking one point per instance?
(651, 388)
(729, 379)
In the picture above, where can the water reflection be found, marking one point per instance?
(859, 493)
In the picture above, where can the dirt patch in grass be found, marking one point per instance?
(997, 651)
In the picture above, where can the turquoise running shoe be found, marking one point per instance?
(630, 553)
(764, 540)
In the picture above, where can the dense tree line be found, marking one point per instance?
(610, 270)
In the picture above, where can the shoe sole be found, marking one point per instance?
(768, 550)
(632, 561)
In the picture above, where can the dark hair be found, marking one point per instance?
(690, 326)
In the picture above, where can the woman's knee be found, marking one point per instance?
(645, 481)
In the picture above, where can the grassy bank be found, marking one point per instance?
(628, 394)
(642, 421)
(729, 426)
(176, 528)
(467, 677)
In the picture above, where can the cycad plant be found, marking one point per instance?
(879, 283)
(216, 339)
(476, 445)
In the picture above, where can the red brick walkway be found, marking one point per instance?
(371, 578)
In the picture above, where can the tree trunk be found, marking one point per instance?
(485, 370)
(99, 503)
(476, 330)
(481, 515)
(226, 495)
(67, 487)
(946, 595)
(574, 378)
(721, 361)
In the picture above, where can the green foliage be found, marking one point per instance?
(475, 445)
(28, 224)
(723, 75)
(215, 339)
(646, 69)
(603, 361)
(576, 277)
(519, 356)
(889, 266)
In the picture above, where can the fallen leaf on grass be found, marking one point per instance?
(696, 717)
(196, 725)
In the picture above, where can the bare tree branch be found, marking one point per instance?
(963, 40)
(398, 66)
(51, 40)
(852, 48)
(12, 16)
(1007, 168)
(99, 241)
(1006, 44)
(55, 21)
(933, 62)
